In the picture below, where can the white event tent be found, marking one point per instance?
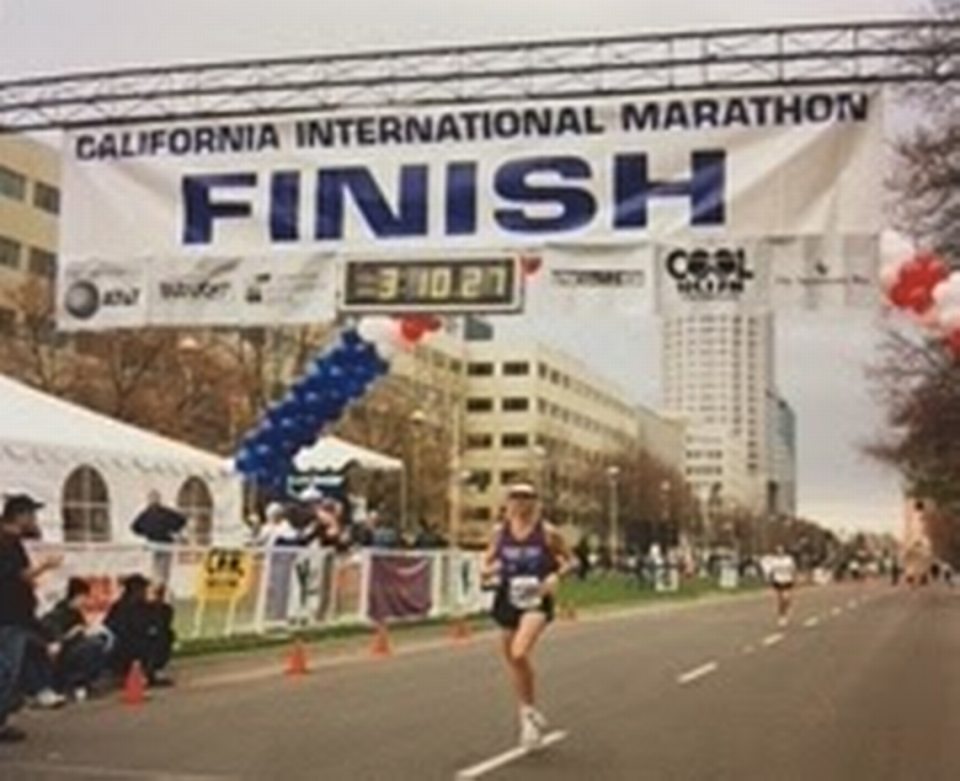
(93, 472)
(337, 454)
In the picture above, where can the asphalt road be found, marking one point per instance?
(860, 686)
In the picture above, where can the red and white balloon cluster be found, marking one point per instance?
(393, 334)
(925, 287)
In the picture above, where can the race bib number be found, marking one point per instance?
(525, 593)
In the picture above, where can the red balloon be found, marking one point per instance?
(913, 270)
(920, 299)
(412, 329)
(900, 294)
(530, 264)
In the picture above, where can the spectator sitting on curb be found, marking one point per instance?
(83, 650)
(141, 632)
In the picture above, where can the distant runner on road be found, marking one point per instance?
(782, 574)
(524, 563)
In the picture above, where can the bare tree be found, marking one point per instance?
(915, 379)
(33, 351)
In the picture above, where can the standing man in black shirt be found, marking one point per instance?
(20, 630)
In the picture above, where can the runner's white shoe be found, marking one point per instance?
(48, 699)
(533, 724)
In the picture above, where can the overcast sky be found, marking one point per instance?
(820, 360)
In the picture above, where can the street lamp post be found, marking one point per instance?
(613, 478)
(666, 487)
(412, 475)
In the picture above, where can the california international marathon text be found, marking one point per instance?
(481, 125)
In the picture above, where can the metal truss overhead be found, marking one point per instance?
(809, 55)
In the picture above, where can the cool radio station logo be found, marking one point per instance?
(85, 298)
(709, 274)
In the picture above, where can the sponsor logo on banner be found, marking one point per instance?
(595, 278)
(598, 278)
(203, 282)
(84, 298)
(100, 293)
(709, 273)
(226, 575)
(824, 275)
(183, 290)
(814, 272)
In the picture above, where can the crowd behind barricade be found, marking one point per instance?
(48, 658)
(324, 521)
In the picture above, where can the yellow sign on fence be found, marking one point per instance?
(225, 576)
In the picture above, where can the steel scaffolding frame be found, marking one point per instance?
(809, 55)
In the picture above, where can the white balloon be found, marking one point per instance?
(895, 248)
(889, 274)
(373, 329)
(949, 318)
(947, 293)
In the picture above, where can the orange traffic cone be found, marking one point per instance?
(460, 631)
(380, 646)
(297, 661)
(135, 686)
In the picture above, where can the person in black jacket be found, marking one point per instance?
(142, 632)
(158, 523)
(81, 659)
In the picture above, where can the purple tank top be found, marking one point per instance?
(530, 557)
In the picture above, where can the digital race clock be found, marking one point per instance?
(456, 285)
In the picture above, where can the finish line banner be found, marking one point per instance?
(508, 177)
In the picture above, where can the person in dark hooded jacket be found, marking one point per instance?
(142, 632)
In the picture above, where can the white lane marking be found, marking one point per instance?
(494, 763)
(96, 771)
(772, 640)
(700, 672)
(811, 622)
(836, 611)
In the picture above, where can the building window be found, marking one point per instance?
(479, 405)
(516, 404)
(479, 441)
(514, 440)
(12, 184)
(46, 197)
(479, 514)
(85, 505)
(196, 503)
(478, 480)
(42, 263)
(516, 369)
(512, 476)
(480, 369)
(9, 252)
